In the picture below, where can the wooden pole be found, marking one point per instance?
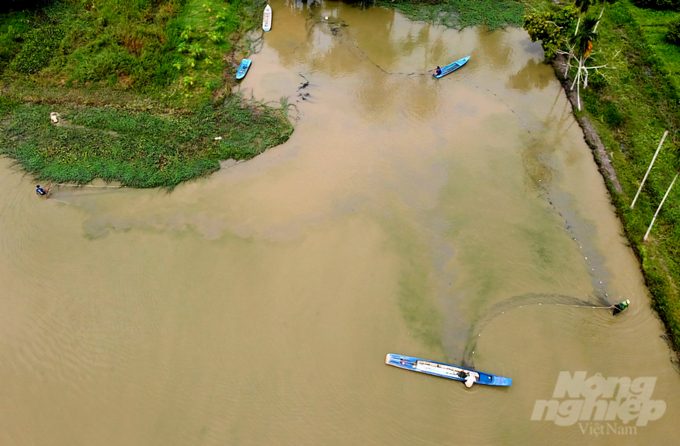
(657, 211)
(650, 168)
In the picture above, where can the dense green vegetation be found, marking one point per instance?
(142, 88)
(552, 27)
(658, 4)
(460, 14)
(631, 106)
(655, 27)
(136, 148)
(171, 49)
(673, 33)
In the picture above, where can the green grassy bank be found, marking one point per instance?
(171, 50)
(137, 149)
(631, 104)
(143, 88)
(631, 107)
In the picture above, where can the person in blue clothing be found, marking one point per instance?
(42, 192)
(438, 71)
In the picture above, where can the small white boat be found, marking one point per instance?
(267, 20)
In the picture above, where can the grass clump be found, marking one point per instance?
(135, 148)
(673, 33)
(38, 49)
(658, 4)
(611, 114)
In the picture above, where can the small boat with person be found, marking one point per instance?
(267, 18)
(443, 370)
(450, 68)
(243, 68)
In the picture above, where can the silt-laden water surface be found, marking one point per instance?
(460, 220)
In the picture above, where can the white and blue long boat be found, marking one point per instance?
(468, 376)
(450, 68)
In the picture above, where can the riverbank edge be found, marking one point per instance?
(608, 172)
(590, 135)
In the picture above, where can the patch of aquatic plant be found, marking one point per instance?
(137, 149)
(461, 14)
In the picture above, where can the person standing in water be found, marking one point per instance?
(42, 192)
(618, 308)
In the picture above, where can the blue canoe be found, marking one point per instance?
(452, 67)
(243, 68)
(468, 376)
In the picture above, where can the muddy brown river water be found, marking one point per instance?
(460, 220)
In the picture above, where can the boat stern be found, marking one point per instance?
(494, 380)
(501, 381)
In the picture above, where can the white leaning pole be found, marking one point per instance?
(657, 211)
(650, 168)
